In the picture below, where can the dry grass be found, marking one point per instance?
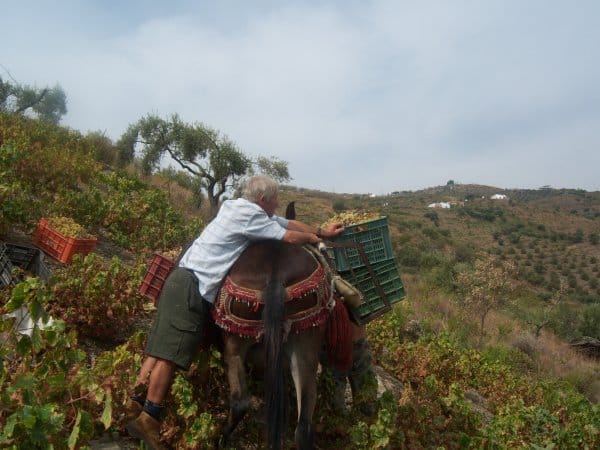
(551, 356)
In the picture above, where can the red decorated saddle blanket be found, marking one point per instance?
(238, 309)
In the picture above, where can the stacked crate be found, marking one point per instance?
(155, 277)
(5, 266)
(30, 259)
(375, 274)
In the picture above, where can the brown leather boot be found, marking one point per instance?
(132, 410)
(147, 429)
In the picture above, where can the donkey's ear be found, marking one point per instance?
(290, 211)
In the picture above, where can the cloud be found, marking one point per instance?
(357, 96)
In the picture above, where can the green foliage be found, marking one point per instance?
(50, 170)
(434, 411)
(87, 206)
(97, 298)
(488, 214)
(17, 204)
(201, 430)
(519, 425)
(380, 434)
(138, 216)
(486, 288)
(35, 377)
(134, 215)
(210, 157)
(590, 321)
(102, 148)
(409, 257)
(433, 216)
(48, 157)
(443, 274)
(339, 205)
(47, 104)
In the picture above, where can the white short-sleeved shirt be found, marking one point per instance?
(238, 223)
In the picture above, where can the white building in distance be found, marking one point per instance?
(443, 205)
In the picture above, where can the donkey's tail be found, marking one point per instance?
(275, 381)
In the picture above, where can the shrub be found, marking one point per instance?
(564, 321)
(584, 276)
(339, 205)
(18, 204)
(138, 216)
(433, 216)
(409, 256)
(97, 297)
(52, 157)
(590, 322)
(37, 377)
(464, 253)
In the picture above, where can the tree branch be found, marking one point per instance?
(33, 102)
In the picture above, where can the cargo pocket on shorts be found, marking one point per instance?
(184, 325)
(187, 330)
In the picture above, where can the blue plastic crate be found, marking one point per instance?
(375, 238)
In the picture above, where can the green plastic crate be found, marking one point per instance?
(375, 238)
(389, 279)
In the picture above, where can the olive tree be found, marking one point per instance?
(48, 104)
(486, 288)
(211, 158)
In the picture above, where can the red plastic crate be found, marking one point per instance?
(58, 246)
(155, 277)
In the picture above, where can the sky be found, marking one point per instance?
(357, 96)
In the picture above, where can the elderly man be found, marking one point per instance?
(191, 288)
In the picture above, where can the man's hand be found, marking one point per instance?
(332, 230)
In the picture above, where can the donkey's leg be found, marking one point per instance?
(304, 360)
(235, 351)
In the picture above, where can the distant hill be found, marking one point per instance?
(548, 233)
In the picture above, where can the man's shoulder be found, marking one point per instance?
(239, 204)
(239, 207)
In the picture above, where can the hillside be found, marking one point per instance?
(547, 234)
(509, 381)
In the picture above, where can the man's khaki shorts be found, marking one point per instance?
(180, 320)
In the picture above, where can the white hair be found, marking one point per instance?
(260, 186)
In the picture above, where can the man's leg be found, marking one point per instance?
(174, 339)
(146, 369)
(135, 403)
(147, 424)
(160, 381)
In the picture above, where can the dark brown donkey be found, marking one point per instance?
(275, 299)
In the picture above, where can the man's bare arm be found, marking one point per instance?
(329, 231)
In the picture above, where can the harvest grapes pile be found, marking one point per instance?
(171, 254)
(68, 227)
(352, 217)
